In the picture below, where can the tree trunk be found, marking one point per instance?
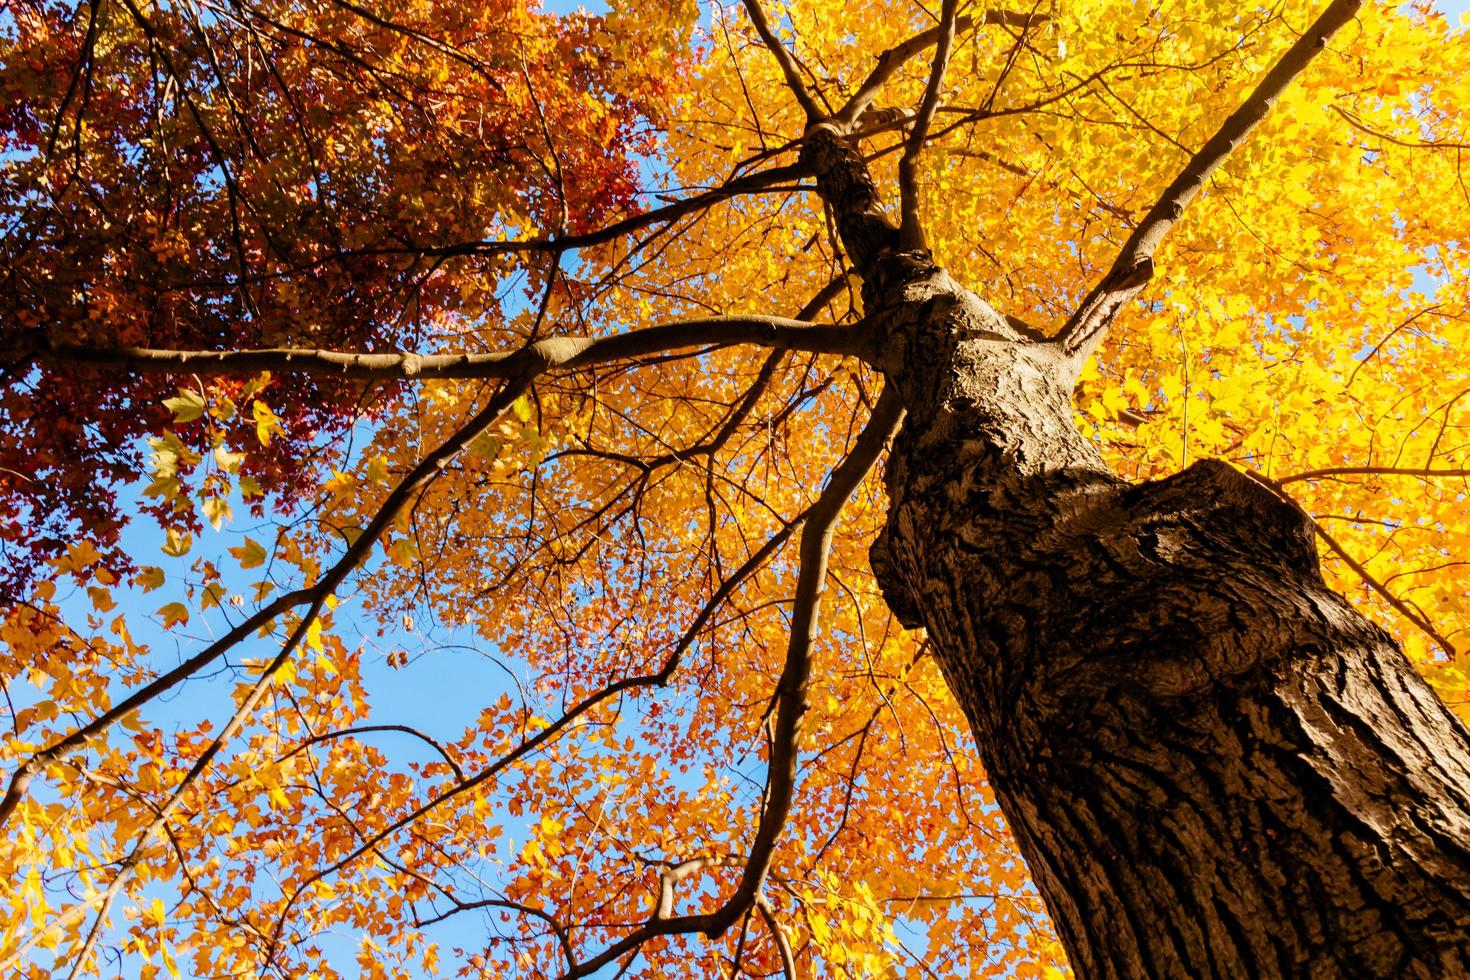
(1212, 764)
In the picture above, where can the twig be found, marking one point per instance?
(1427, 472)
(894, 58)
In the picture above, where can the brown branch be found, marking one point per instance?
(669, 213)
(363, 730)
(783, 942)
(1355, 121)
(551, 921)
(910, 230)
(1134, 265)
(1425, 473)
(1399, 605)
(890, 61)
(784, 58)
(448, 50)
(671, 876)
(1403, 325)
(791, 690)
(553, 353)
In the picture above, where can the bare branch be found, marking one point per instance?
(1399, 605)
(553, 353)
(783, 942)
(1134, 265)
(791, 689)
(784, 58)
(363, 730)
(1357, 123)
(500, 903)
(910, 231)
(890, 61)
(673, 875)
(747, 184)
(1422, 473)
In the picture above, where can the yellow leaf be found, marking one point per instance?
(250, 554)
(266, 422)
(174, 613)
(217, 511)
(226, 460)
(377, 470)
(314, 635)
(187, 406)
(177, 543)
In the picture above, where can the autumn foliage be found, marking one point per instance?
(266, 175)
(221, 577)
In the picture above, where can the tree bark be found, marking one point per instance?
(1212, 764)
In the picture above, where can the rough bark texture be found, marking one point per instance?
(1213, 765)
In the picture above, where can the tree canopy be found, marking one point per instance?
(438, 449)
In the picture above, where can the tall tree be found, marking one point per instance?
(914, 467)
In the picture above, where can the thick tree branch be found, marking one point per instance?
(784, 58)
(847, 186)
(778, 934)
(1134, 265)
(671, 876)
(1370, 580)
(553, 353)
(910, 229)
